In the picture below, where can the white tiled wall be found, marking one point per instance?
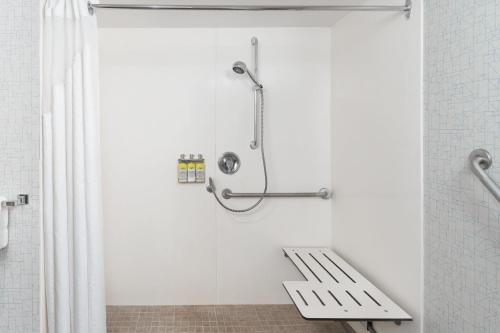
(19, 146)
(170, 91)
(462, 219)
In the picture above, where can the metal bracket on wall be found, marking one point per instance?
(408, 6)
(22, 199)
(90, 8)
(369, 327)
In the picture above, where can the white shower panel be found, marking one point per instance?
(157, 102)
(294, 68)
(172, 91)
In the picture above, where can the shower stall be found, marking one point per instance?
(285, 112)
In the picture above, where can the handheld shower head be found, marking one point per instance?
(211, 185)
(239, 67)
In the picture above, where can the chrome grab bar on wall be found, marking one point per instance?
(322, 193)
(255, 46)
(481, 161)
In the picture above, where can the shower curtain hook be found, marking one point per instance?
(90, 8)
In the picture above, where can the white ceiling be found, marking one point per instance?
(163, 18)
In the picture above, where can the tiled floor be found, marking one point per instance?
(215, 318)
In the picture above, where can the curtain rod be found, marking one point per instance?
(406, 8)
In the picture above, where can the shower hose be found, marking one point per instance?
(211, 187)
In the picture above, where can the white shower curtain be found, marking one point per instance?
(73, 270)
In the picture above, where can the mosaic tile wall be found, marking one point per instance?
(462, 219)
(19, 140)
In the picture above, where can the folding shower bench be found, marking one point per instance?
(334, 290)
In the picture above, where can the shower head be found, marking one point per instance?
(239, 67)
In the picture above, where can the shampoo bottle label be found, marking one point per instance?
(200, 171)
(182, 172)
(191, 172)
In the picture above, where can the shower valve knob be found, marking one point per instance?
(229, 163)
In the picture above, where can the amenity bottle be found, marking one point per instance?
(200, 169)
(182, 169)
(191, 169)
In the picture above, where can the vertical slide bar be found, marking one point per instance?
(255, 45)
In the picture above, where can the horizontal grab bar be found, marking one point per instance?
(481, 161)
(322, 193)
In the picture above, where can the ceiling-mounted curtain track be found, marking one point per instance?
(406, 8)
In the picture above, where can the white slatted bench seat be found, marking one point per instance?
(335, 290)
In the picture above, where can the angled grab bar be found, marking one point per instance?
(481, 161)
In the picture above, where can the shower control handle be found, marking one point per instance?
(229, 163)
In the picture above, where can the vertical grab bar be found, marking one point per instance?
(481, 161)
(255, 46)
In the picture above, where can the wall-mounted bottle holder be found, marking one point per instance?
(191, 170)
